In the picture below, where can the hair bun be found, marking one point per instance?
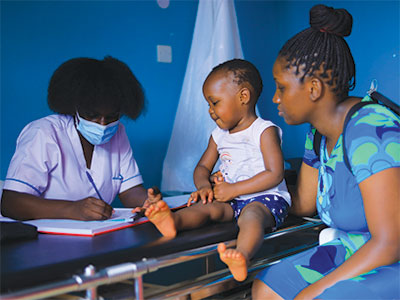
(328, 19)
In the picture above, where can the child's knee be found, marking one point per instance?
(255, 210)
(220, 211)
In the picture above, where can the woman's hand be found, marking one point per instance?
(205, 194)
(310, 292)
(22, 206)
(90, 209)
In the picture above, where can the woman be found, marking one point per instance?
(71, 165)
(314, 72)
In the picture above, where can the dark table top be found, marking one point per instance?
(54, 257)
(51, 257)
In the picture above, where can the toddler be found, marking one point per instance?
(250, 186)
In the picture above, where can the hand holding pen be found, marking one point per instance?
(89, 209)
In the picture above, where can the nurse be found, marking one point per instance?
(72, 164)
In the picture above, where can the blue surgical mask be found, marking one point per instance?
(95, 133)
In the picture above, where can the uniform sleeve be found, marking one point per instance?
(373, 141)
(35, 157)
(129, 168)
(310, 157)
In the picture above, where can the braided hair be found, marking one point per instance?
(243, 71)
(84, 83)
(322, 48)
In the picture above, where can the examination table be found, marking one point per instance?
(56, 264)
(138, 263)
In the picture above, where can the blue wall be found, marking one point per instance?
(37, 36)
(266, 25)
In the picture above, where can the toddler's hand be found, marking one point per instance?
(153, 196)
(216, 177)
(223, 191)
(204, 194)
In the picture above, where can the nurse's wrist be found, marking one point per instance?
(65, 209)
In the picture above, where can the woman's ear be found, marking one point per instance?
(244, 95)
(315, 87)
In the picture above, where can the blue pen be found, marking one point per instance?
(94, 185)
(121, 220)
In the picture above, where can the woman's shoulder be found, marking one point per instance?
(371, 115)
(49, 125)
(367, 105)
(371, 140)
(368, 119)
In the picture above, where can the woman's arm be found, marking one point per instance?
(381, 194)
(134, 196)
(22, 206)
(304, 194)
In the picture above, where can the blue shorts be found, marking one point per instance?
(277, 205)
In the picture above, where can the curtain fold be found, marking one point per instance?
(215, 40)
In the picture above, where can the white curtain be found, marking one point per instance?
(215, 40)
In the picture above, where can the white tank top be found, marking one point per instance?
(241, 158)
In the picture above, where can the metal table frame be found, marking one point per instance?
(204, 286)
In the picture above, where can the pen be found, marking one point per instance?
(139, 215)
(94, 185)
(122, 220)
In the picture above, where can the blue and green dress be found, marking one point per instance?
(373, 145)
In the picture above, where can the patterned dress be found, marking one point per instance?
(373, 145)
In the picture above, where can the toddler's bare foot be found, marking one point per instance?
(235, 260)
(161, 216)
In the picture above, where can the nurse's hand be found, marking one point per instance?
(90, 209)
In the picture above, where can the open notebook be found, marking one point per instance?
(122, 218)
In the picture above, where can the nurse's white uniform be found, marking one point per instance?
(49, 162)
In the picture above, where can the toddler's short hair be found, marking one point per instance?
(243, 71)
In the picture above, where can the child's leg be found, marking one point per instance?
(253, 220)
(168, 223)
